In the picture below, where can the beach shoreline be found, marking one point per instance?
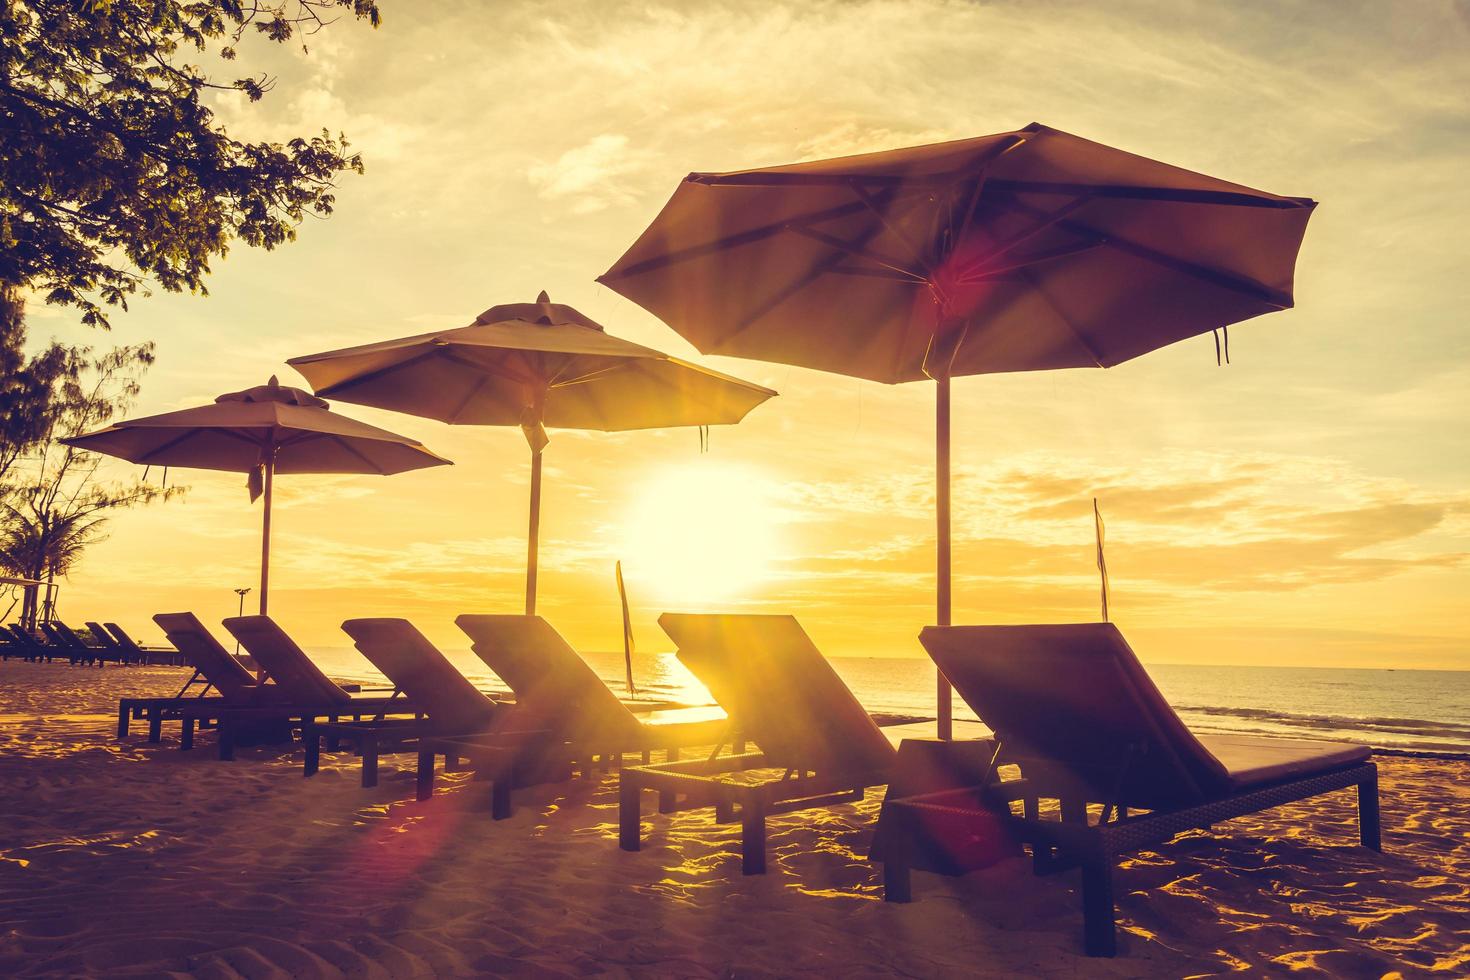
(121, 857)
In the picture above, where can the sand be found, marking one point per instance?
(128, 858)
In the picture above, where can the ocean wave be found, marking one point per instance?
(1416, 727)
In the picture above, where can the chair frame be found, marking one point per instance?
(1075, 841)
(701, 783)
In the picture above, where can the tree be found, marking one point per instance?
(26, 386)
(56, 504)
(113, 170)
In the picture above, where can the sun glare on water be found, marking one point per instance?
(701, 532)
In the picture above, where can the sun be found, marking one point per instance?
(702, 532)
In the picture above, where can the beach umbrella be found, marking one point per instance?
(535, 365)
(261, 431)
(1022, 251)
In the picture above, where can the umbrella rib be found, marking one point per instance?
(1025, 235)
(354, 451)
(822, 267)
(872, 205)
(856, 251)
(150, 455)
(1218, 277)
(1179, 195)
(496, 370)
(339, 387)
(589, 376)
(879, 273)
(464, 402)
(1066, 320)
(744, 237)
(1060, 252)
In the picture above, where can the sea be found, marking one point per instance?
(1403, 710)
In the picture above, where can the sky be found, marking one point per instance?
(1305, 505)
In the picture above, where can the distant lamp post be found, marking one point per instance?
(241, 594)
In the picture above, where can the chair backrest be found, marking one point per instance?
(25, 637)
(127, 642)
(1075, 696)
(418, 669)
(101, 636)
(72, 637)
(55, 636)
(300, 680)
(779, 690)
(203, 652)
(550, 679)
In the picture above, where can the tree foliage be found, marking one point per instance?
(113, 169)
(54, 502)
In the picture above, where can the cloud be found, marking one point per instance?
(592, 176)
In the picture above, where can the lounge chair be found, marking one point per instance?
(107, 643)
(126, 642)
(66, 640)
(450, 704)
(307, 691)
(29, 646)
(817, 743)
(213, 669)
(559, 695)
(1073, 708)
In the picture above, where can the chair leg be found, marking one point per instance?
(753, 837)
(724, 812)
(630, 829)
(668, 801)
(369, 762)
(1369, 831)
(501, 804)
(123, 713)
(313, 740)
(897, 872)
(226, 739)
(186, 734)
(1098, 926)
(673, 754)
(155, 724)
(424, 787)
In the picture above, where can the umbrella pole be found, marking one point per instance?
(265, 534)
(532, 546)
(945, 727)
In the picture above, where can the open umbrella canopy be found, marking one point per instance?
(534, 365)
(529, 363)
(262, 431)
(1022, 251)
(240, 429)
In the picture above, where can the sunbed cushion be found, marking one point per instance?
(780, 691)
(1252, 760)
(199, 647)
(550, 680)
(1075, 694)
(418, 669)
(301, 680)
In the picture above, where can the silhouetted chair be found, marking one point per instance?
(1072, 707)
(818, 745)
(449, 704)
(562, 698)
